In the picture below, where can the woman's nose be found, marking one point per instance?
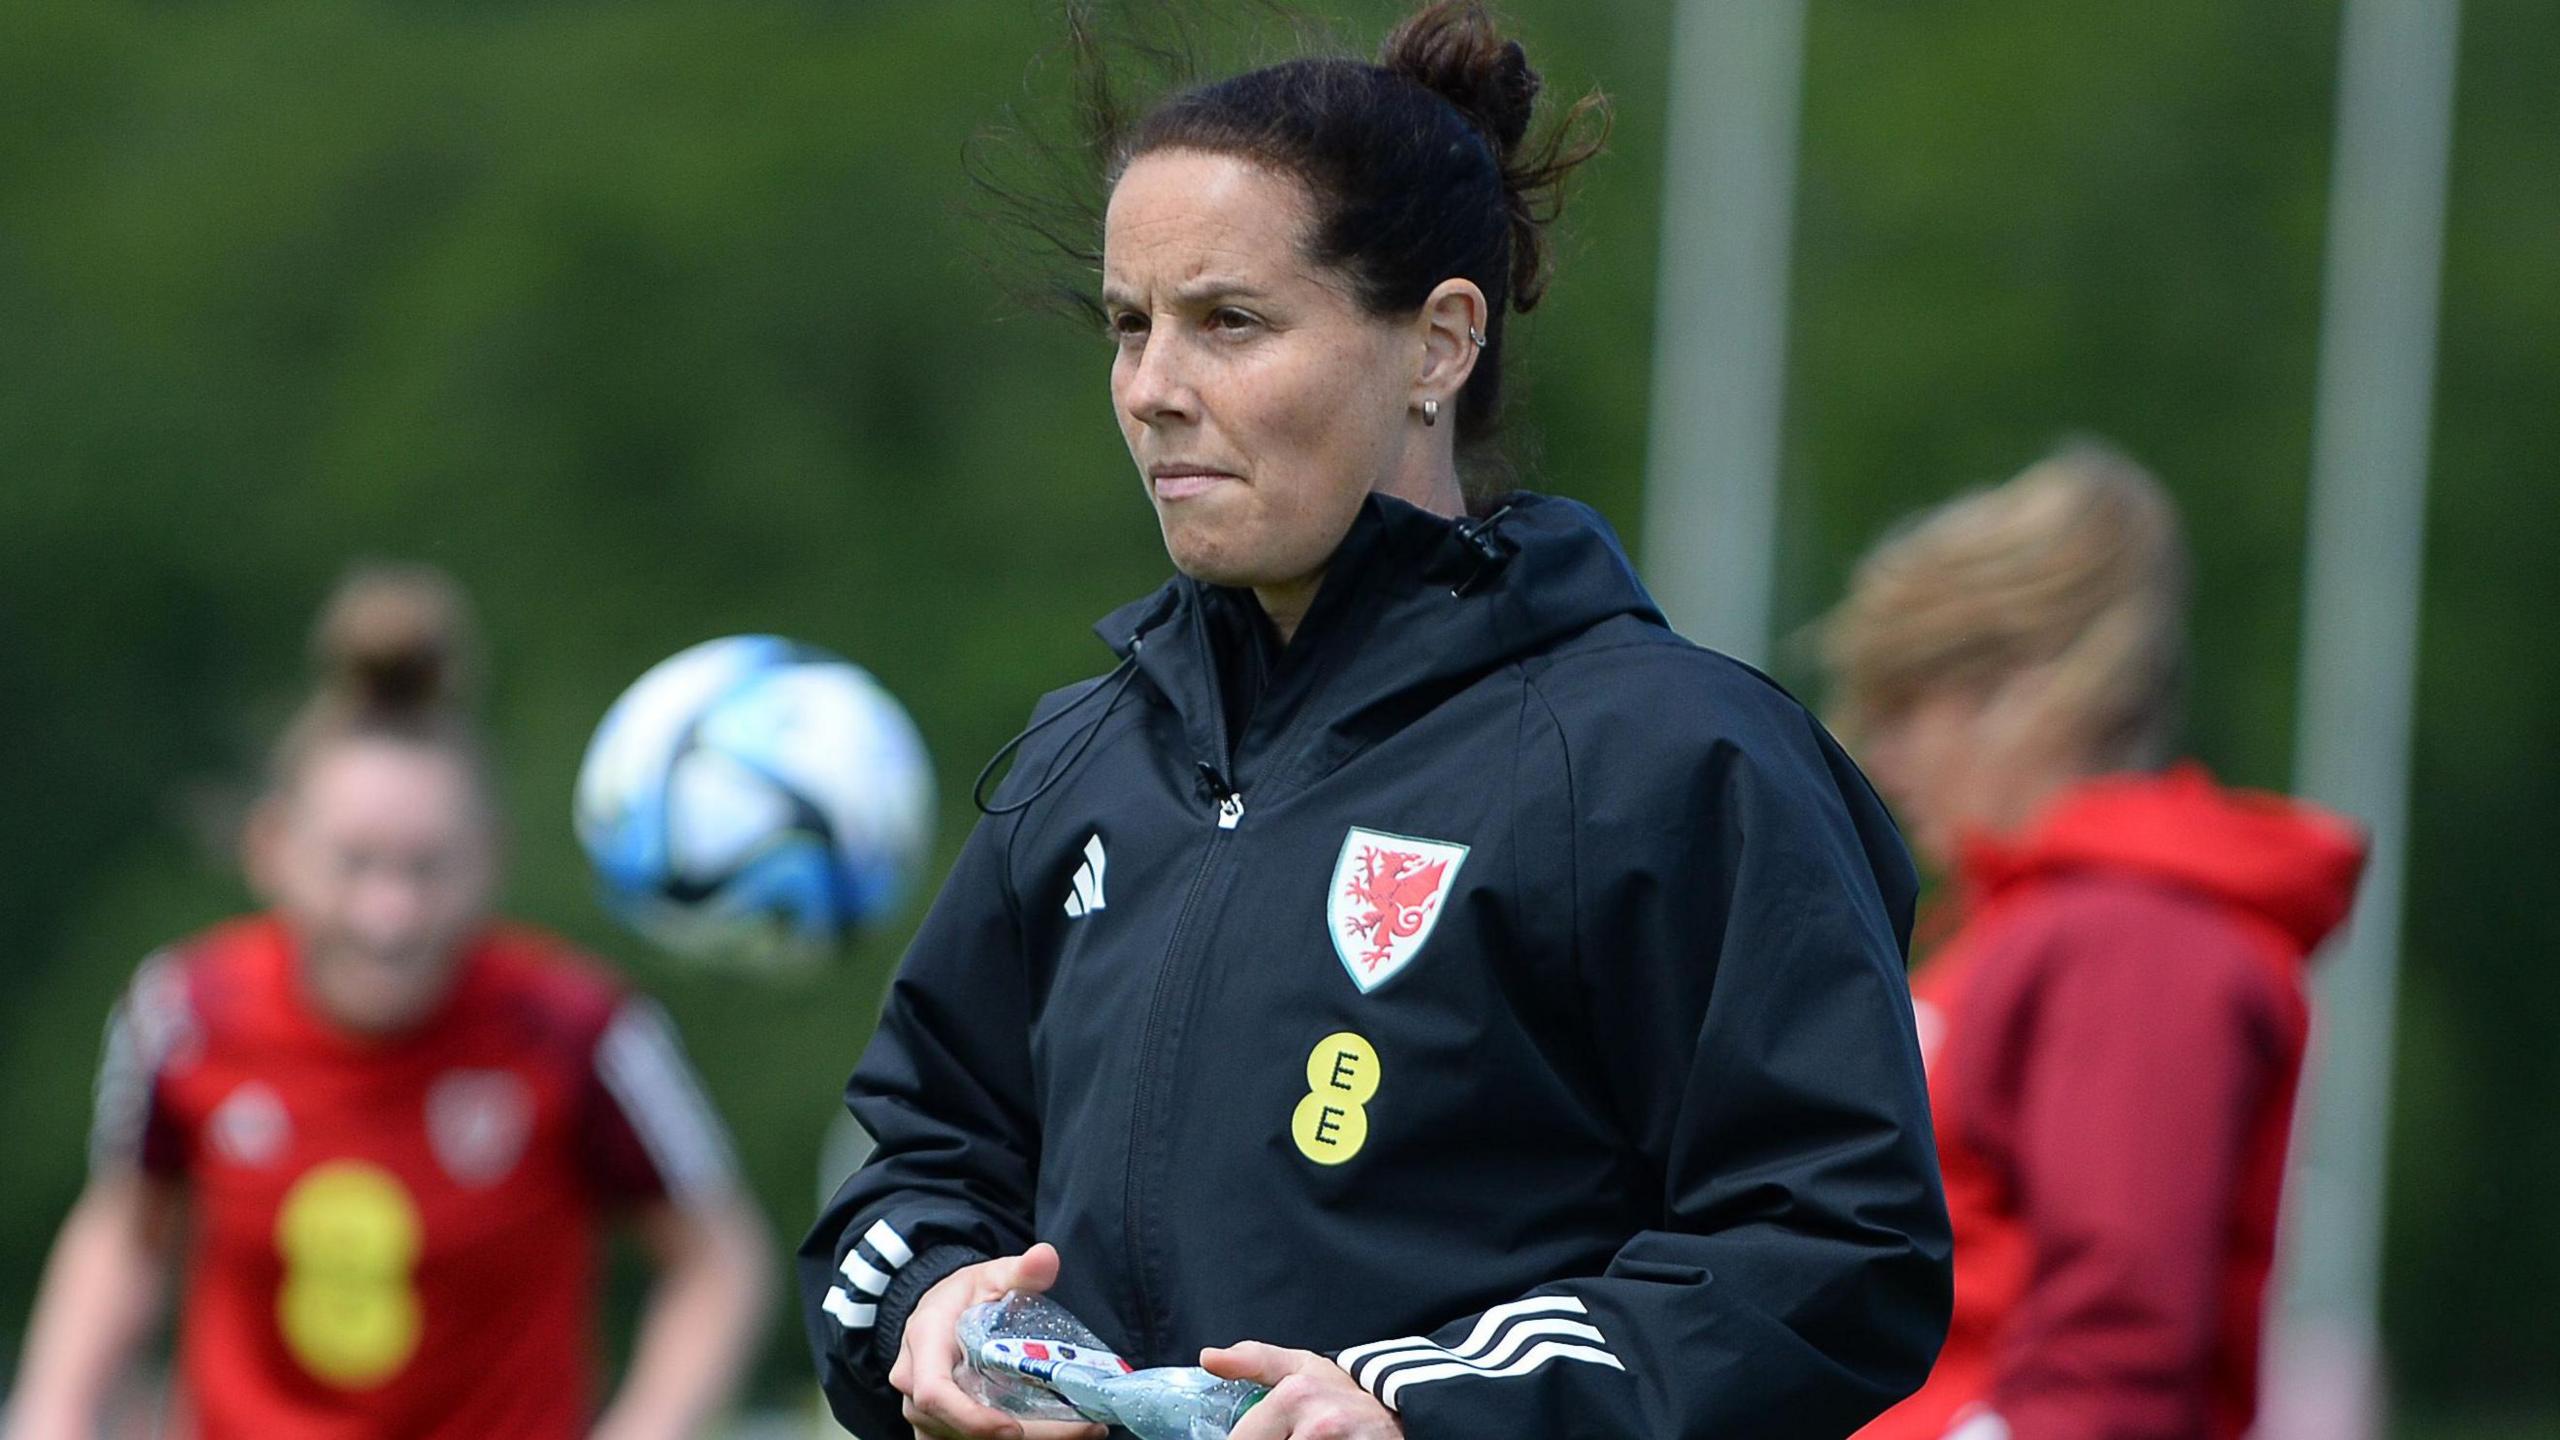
(1158, 389)
(386, 911)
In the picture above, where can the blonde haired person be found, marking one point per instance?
(396, 1127)
(2114, 1028)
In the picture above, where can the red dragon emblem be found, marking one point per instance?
(1391, 891)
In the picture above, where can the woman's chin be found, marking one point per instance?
(1243, 556)
(1209, 555)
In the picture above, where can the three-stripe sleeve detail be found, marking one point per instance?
(641, 1063)
(1507, 1340)
(865, 1278)
(887, 1241)
(868, 1268)
(848, 1314)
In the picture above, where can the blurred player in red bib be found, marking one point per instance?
(2115, 1026)
(385, 1134)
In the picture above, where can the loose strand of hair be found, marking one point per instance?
(1040, 191)
(1537, 187)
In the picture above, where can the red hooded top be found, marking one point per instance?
(2114, 1035)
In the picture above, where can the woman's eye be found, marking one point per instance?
(1228, 318)
(1128, 325)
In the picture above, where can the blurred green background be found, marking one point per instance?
(657, 320)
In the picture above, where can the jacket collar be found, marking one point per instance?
(1413, 607)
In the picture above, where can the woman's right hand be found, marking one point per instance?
(929, 1358)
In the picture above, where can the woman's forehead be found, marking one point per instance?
(1191, 222)
(361, 777)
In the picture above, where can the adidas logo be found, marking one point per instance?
(1087, 896)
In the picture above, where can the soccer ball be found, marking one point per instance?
(756, 802)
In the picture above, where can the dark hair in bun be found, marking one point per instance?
(1421, 165)
(1453, 50)
(396, 660)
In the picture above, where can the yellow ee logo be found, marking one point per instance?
(349, 1237)
(1332, 1122)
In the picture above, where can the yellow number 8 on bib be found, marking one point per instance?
(1332, 1122)
(349, 1234)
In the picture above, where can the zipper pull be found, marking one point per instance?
(1230, 800)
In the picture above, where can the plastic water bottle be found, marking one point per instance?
(1173, 1402)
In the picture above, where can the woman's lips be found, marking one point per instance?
(1183, 484)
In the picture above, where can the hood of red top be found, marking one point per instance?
(2291, 863)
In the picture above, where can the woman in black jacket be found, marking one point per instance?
(1413, 967)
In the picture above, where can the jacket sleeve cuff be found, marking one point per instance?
(913, 1279)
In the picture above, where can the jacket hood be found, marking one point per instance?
(2292, 864)
(1412, 607)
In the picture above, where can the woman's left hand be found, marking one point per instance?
(1310, 1399)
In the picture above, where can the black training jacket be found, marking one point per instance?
(1490, 989)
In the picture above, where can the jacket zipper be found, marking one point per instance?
(1230, 813)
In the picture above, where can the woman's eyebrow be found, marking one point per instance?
(1216, 287)
(1197, 292)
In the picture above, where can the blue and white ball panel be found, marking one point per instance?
(623, 785)
(751, 793)
(725, 811)
(829, 734)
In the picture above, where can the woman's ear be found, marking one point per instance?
(1453, 317)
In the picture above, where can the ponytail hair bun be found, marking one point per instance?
(394, 644)
(1454, 51)
(397, 660)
